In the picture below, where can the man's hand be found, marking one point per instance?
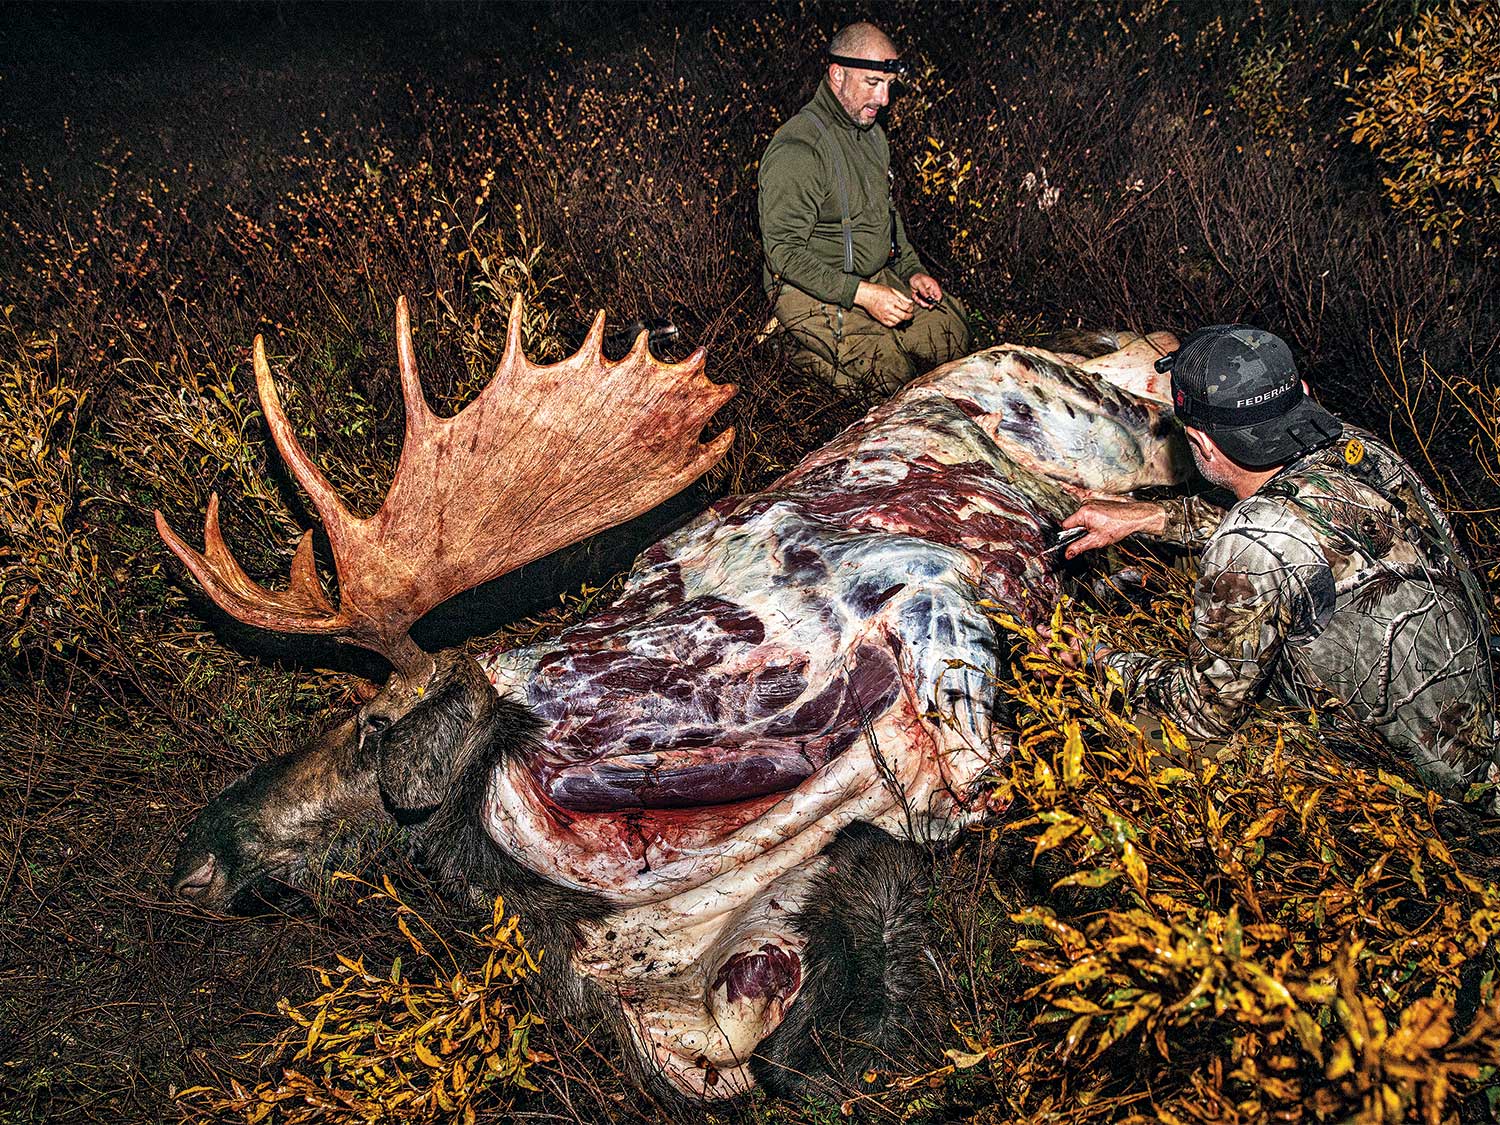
(1109, 521)
(887, 305)
(925, 289)
(1047, 649)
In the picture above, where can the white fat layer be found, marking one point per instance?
(1090, 426)
(1133, 367)
(698, 1038)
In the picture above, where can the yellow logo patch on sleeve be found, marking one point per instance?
(1354, 452)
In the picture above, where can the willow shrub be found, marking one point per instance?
(1427, 105)
(447, 1043)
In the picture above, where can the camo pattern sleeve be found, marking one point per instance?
(1191, 521)
(1261, 579)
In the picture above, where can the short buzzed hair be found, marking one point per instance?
(853, 40)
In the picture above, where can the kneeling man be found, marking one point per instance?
(1334, 579)
(863, 310)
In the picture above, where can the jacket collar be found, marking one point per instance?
(833, 113)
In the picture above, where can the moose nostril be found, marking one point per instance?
(198, 880)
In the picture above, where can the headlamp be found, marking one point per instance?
(896, 68)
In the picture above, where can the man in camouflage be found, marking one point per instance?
(847, 285)
(1333, 581)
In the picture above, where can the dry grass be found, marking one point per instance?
(1145, 166)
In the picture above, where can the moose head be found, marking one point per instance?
(544, 457)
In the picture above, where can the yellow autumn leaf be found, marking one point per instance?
(1055, 835)
(1172, 775)
(1076, 1031)
(313, 1032)
(1072, 754)
(1135, 866)
(1094, 877)
(1088, 969)
(965, 1060)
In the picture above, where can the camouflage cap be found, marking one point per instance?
(1240, 386)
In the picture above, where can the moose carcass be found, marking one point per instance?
(702, 801)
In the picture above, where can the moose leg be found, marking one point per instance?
(871, 994)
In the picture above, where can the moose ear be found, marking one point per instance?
(417, 754)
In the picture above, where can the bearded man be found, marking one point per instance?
(1333, 581)
(847, 285)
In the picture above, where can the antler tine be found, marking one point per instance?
(592, 348)
(306, 472)
(640, 348)
(512, 336)
(302, 608)
(418, 413)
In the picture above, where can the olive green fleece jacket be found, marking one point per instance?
(800, 224)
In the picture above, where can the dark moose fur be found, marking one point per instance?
(871, 996)
(871, 990)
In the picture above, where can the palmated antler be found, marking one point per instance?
(543, 457)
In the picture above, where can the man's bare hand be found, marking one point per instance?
(1109, 521)
(887, 305)
(925, 289)
(1047, 649)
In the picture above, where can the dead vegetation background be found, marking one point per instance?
(1267, 936)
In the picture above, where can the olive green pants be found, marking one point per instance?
(852, 351)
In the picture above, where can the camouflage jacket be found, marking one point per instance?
(1332, 587)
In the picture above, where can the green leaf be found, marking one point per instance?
(1095, 877)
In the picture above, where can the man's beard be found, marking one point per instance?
(1213, 473)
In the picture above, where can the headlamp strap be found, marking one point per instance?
(885, 66)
